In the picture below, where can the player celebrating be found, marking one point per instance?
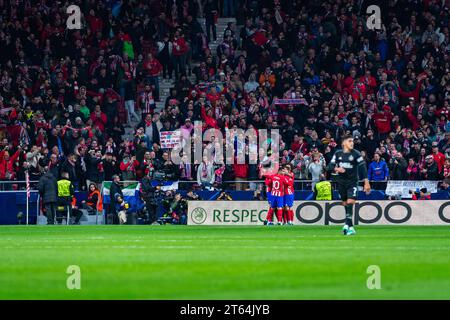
(347, 164)
(276, 198)
(268, 183)
(288, 198)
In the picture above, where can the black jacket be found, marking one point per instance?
(432, 172)
(398, 170)
(48, 188)
(115, 188)
(147, 189)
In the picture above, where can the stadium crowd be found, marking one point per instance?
(311, 69)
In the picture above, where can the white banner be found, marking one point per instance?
(403, 187)
(421, 212)
(170, 139)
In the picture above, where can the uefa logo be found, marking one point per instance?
(198, 215)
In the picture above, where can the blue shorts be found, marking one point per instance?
(269, 197)
(276, 202)
(288, 200)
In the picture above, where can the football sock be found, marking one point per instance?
(285, 215)
(270, 215)
(279, 215)
(349, 215)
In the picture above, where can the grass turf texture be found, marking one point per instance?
(189, 262)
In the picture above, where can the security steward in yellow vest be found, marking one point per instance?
(65, 192)
(323, 190)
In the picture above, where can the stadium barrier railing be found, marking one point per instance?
(249, 185)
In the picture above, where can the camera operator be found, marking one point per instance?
(397, 166)
(33, 158)
(167, 167)
(178, 208)
(192, 196)
(150, 197)
(421, 194)
(224, 196)
(206, 174)
(175, 207)
(109, 166)
(258, 194)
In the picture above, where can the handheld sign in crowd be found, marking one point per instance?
(290, 101)
(170, 139)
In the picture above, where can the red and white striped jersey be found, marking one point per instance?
(268, 183)
(278, 182)
(289, 186)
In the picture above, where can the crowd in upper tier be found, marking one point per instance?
(311, 69)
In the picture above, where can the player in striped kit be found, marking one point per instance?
(277, 183)
(268, 184)
(288, 199)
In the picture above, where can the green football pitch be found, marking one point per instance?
(189, 262)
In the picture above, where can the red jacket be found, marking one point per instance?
(179, 47)
(383, 121)
(153, 67)
(99, 121)
(8, 165)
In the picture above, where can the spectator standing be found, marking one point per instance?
(128, 167)
(179, 51)
(165, 48)
(378, 172)
(48, 189)
(398, 167)
(316, 168)
(153, 68)
(205, 174)
(210, 9)
(438, 157)
(113, 190)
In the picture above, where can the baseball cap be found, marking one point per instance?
(434, 144)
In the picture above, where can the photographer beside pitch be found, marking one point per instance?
(348, 165)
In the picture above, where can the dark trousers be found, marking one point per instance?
(112, 217)
(167, 68)
(154, 80)
(210, 24)
(179, 65)
(66, 202)
(77, 214)
(50, 212)
(151, 210)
